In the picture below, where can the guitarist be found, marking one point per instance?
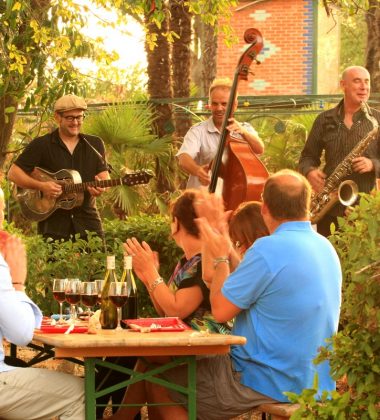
(65, 148)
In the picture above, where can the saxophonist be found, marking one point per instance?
(336, 132)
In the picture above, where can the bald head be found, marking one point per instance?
(287, 195)
(356, 86)
(348, 71)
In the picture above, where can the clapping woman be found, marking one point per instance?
(184, 295)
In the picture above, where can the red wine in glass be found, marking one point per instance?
(89, 300)
(59, 287)
(89, 294)
(72, 298)
(118, 300)
(59, 296)
(118, 295)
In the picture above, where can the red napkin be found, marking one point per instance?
(166, 324)
(61, 329)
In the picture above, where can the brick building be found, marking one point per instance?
(301, 48)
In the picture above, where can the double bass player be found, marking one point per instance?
(202, 140)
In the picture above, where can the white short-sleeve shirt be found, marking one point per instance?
(201, 143)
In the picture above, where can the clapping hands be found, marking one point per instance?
(145, 261)
(14, 254)
(213, 225)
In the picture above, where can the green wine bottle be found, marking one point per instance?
(108, 311)
(130, 309)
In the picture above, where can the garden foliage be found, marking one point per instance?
(86, 259)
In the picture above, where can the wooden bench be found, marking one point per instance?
(277, 411)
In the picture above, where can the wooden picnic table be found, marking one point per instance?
(185, 345)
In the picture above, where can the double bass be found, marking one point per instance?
(236, 167)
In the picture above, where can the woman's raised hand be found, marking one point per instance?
(144, 260)
(14, 254)
(211, 207)
(213, 225)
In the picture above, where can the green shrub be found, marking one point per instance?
(155, 230)
(354, 353)
(284, 137)
(86, 259)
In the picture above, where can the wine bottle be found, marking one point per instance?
(108, 311)
(129, 310)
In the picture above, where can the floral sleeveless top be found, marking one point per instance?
(188, 273)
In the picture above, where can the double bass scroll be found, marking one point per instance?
(242, 172)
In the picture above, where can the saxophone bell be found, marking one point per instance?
(348, 192)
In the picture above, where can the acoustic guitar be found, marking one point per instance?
(37, 207)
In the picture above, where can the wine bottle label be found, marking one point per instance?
(127, 262)
(111, 262)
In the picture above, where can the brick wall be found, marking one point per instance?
(287, 56)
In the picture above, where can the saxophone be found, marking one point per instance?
(335, 189)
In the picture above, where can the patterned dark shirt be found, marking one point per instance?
(188, 273)
(331, 135)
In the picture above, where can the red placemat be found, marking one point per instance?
(166, 324)
(58, 329)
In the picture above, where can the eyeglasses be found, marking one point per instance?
(71, 118)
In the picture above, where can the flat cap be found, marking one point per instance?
(69, 102)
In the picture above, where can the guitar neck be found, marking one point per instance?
(81, 187)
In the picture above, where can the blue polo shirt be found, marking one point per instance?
(289, 289)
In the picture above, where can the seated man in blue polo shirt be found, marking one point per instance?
(285, 298)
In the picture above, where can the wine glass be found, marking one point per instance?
(59, 286)
(72, 293)
(89, 295)
(118, 294)
(99, 287)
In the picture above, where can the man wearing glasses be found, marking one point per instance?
(65, 148)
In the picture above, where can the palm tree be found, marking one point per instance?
(206, 47)
(126, 132)
(180, 23)
(373, 54)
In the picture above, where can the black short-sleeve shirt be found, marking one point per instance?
(50, 153)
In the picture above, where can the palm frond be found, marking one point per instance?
(127, 125)
(125, 198)
(131, 145)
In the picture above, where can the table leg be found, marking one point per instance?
(192, 394)
(89, 387)
(150, 375)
